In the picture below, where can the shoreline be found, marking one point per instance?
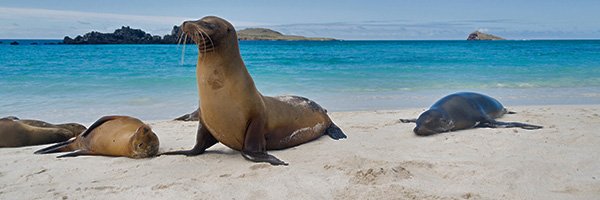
(381, 159)
(149, 107)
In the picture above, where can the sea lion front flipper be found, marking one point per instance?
(255, 144)
(408, 120)
(76, 153)
(204, 140)
(98, 123)
(335, 132)
(497, 124)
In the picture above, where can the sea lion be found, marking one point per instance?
(193, 116)
(73, 127)
(16, 133)
(463, 111)
(110, 136)
(233, 112)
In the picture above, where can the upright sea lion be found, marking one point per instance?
(111, 136)
(233, 112)
(463, 111)
(15, 133)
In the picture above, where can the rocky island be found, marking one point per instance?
(477, 35)
(128, 35)
(124, 35)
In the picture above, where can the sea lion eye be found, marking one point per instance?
(212, 26)
(140, 145)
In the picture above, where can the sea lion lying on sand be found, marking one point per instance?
(16, 133)
(111, 136)
(463, 111)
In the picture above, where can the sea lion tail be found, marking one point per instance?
(58, 147)
(335, 132)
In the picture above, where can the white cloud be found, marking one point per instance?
(54, 24)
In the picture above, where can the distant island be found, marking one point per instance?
(477, 35)
(128, 35)
(268, 34)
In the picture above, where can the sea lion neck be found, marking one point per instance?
(223, 68)
(226, 60)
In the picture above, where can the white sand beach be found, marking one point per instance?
(381, 159)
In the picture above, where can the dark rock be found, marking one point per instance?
(477, 35)
(34, 43)
(14, 43)
(124, 35)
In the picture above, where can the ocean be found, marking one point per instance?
(63, 83)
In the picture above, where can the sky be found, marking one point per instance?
(349, 20)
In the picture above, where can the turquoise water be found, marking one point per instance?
(83, 82)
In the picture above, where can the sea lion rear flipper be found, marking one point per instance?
(408, 120)
(262, 157)
(75, 154)
(497, 124)
(255, 144)
(58, 147)
(335, 132)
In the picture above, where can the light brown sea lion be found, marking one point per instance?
(111, 136)
(14, 133)
(233, 112)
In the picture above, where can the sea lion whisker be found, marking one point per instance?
(183, 51)
(209, 39)
(179, 38)
(203, 40)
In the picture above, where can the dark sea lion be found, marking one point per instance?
(463, 111)
(14, 133)
(233, 112)
(111, 136)
(193, 116)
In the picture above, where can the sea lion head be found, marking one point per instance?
(75, 128)
(210, 33)
(433, 121)
(144, 143)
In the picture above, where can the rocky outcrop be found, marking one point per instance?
(268, 34)
(477, 35)
(14, 43)
(124, 35)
